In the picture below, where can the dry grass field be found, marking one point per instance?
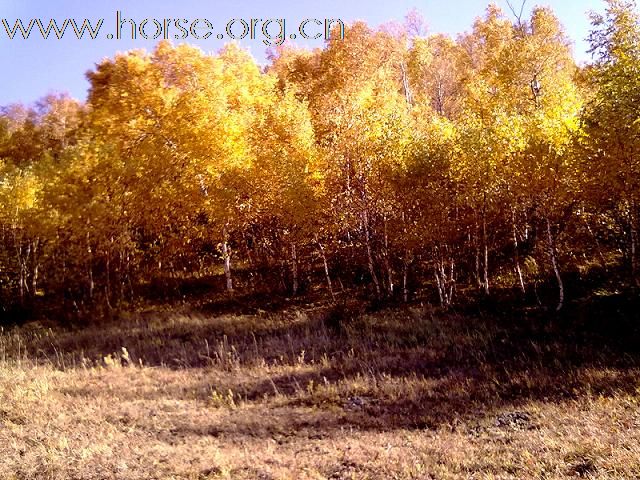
(320, 393)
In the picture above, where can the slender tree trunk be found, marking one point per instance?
(535, 291)
(439, 284)
(387, 264)
(445, 280)
(36, 267)
(367, 239)
(21, 273)
(327, 273)
(25, 268)
(634, 244)
(406, 84)
(516, 252)
(36, 274)
(64, 278)
(283, 276)
(452, 280)
(129, 279)
(91, 283)
(554, 263)
(485, 246)
(294, 269)
(107, 287)
(90, 267)
(122, 277)
(477, 248)
(23, 262)
(603, 261)
(405, 279)
(252, 263)
(226, 256)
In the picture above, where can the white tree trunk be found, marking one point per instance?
(226, 257)
(556, 269)
(367, 239)
(445, 280)
(326, 270)
(486, 253)
(517, 253)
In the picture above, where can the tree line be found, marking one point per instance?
(394, 160)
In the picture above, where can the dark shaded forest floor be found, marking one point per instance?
(310, 391)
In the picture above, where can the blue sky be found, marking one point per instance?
(34, 67)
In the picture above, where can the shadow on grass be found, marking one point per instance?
(320, 369)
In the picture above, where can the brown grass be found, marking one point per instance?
(303, 394)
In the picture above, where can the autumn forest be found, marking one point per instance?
(403, 255)
(396, 163)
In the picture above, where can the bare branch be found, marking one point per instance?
(518, 16)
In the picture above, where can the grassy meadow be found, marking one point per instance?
(314, 391)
